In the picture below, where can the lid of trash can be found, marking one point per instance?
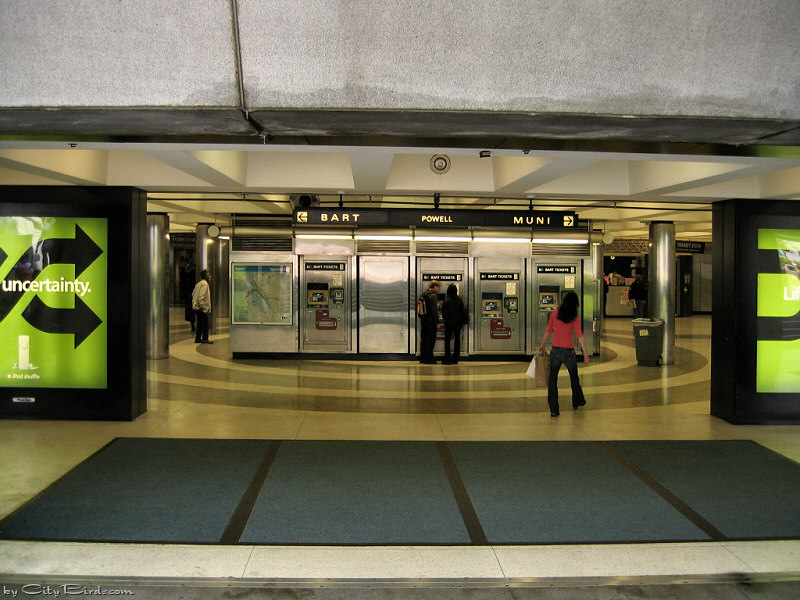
(647, 322)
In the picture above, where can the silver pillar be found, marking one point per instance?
(661, 283)
(221, 312)
(158, 286)
(204, 258)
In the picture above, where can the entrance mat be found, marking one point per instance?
(745, 490)
(356, 493)
(563, 492)
(410, 493)
(143, 490)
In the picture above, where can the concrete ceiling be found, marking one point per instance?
(619, 191)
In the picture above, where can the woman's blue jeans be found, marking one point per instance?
(565, 356)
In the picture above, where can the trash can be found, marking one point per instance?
(649, 336)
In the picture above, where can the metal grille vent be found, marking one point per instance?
(261, 243)
(375, 246)
(442, 247)
(560, 249)
(628, 246)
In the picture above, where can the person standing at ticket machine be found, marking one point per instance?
(564, 322)
(428, 321)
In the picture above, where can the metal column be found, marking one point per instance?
(661, 283)
(220, 281)
(158, 282)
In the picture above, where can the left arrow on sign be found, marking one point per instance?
(79, 321)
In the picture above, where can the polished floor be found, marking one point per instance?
(201, 392)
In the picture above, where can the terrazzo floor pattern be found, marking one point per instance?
(201, 392)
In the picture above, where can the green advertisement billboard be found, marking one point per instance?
(53, 302)
(778, 345)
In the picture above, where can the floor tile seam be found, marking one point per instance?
(190, 355)
(615, 364)
(298, 432)
(730, 548)
(691, 378)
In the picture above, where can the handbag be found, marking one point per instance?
(539, 369)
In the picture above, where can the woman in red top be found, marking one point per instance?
(562, 324)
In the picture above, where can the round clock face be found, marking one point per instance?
(440, 164)
(213, 231)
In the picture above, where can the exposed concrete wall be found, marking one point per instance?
(707, 58)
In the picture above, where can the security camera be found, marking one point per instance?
(485, 154)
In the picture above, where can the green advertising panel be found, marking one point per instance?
(53, 302)
(778, 347)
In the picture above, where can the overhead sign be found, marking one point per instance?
(690, 247)
(53, 302)
(377, 217)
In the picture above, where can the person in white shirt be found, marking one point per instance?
(201, 304)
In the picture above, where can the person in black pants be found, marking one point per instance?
(638, 293)
(455, 317)
(428, 323)
(201, 303)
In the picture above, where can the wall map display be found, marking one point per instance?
(261, 293)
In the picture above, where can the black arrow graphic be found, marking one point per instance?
(80, 251)
(79, 321)
(3, 256)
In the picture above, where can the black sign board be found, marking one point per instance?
(378, 217)
(325, 267)
(556, 269)
(368, 217)
(691, 247)
(499, 276)
(183, 238)
(441, 276)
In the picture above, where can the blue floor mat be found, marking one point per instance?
(563, 492)
(356, 493)
(408, 493)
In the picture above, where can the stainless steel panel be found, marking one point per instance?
(383, 312)
(448, 270)
(546, 290)
(325, 304)
(499, 301)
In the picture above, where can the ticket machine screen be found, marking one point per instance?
(491, 305)
(548, 297)
(317, 295)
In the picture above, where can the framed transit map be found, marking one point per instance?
(261, 294)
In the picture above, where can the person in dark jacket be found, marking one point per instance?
(428, 323)
(638, 293)
(455, 317)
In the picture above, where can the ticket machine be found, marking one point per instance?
(499, 294)
(551, 281)
(447, 271)
(325, 305)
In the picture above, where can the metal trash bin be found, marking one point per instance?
(649, 336)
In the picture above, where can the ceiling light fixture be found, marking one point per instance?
(440, 164)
